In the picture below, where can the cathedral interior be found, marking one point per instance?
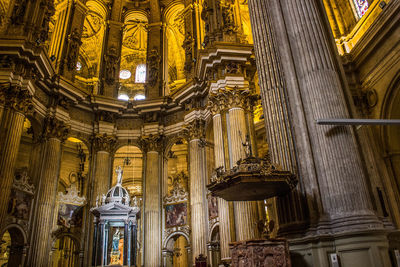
(124, 122)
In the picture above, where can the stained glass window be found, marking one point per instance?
(361, 7)
(140, 73)
(124, 74)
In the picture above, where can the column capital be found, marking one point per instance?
(55, 128)
(17, 98)
(104, 142)
(196, 129)
(231, 97)
(151, 143)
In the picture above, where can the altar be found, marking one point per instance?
(115, 227)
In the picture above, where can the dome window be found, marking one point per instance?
(123, 97)
(139, 97)
(124, 74)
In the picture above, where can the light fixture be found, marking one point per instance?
(139, 97)
(124, 97)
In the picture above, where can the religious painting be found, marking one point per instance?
(212, 207)
(176, 214)
(69, 215)
(19, 205)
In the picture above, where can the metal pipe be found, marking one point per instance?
(357, 122)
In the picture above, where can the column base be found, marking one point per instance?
(368, 248)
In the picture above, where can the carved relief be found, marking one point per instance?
(111, 65)
(104, 142)
(151, 143)
(55, 128)
(48, 13)
(153, 65)
(74, 42)
(18, 13)
(228, 17)
(196, 129)
(17, 98)
(188, 46)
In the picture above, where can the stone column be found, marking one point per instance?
(17, 103)
(103, 146)
(54, 133)
(223, 206)
(341, 178)
(237, 102)
(152, 201)
(198, 180)
(278, 120)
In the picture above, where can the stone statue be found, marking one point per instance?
(115, 240)
(119, 172)
(246, 145)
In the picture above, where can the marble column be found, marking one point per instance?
(152, 201)
(54, 133)
(278, 121)
(17, 103)
(223, 206)
(103, 146)
(198, 180)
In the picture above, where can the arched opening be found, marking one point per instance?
(130, 158)
(65, 252)
(132, 76)
(215, 247)
(12, 248)
(175, 54)
(176, 254)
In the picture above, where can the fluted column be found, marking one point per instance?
(152, 202)
(278, 121)
(338, 166)
(238, 102)
(54, 133)
(103, 146)
(198, 178)
(245, 213)
(17, 103)
(223, 206)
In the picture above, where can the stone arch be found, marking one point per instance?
(67, 253)
(18, 244)
(171, 236)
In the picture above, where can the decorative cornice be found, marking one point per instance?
(104, 142)
(151, 143)
(55, 128)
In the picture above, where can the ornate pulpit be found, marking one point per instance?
(115, 227)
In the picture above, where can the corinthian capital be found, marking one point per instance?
(104, 142)
(151, 143)
(196, 129)
(55, 128)
(16, 98)
(230, 98)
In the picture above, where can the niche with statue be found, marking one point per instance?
(115, 227)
